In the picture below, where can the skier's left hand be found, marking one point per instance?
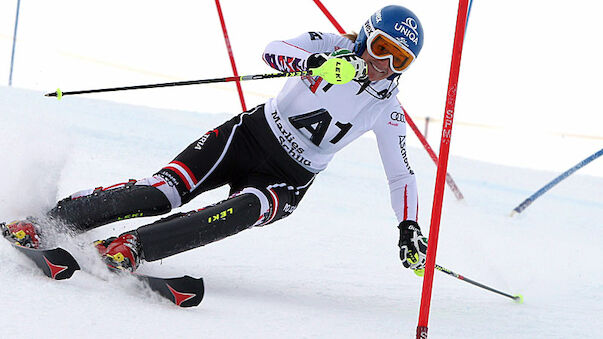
(413, 247)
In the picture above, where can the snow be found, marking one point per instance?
(330, 270)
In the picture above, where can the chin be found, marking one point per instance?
(377, 77)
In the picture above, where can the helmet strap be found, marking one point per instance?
(382, 94)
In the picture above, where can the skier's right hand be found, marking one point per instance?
(317, 59)
(413, 247)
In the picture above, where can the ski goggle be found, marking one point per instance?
(382, 46)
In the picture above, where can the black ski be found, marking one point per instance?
(183, 291)
(56, 263)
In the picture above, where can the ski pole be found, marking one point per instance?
(518, 298)
(334, 71)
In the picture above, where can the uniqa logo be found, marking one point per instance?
(409, 29)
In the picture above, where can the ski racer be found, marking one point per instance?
(269, 155)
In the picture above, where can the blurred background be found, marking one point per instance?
(528, 89)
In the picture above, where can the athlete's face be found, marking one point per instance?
(377, 69)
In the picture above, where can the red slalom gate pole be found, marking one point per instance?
(436, 213)
(449, 180)
(329, 16)
(230, 55)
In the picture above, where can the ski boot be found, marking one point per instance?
(120, 253)
(22, 232)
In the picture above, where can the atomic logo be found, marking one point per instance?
(180, 297)
(368, 28)
(378, 16)
(54, 269)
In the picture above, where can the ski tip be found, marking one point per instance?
(518, 298)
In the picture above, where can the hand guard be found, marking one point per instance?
(315, 60)
(413, 247)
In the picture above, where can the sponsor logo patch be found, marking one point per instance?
(397, 116)
(409, 29)
(288, 141)
(402, 144)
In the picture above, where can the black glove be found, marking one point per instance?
(317, 59)
(413, 246)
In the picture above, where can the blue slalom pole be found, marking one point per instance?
(554, 182)
(468, 14)
(12, 57)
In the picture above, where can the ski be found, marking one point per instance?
(183, 291)
(56, 263)
(59, 264)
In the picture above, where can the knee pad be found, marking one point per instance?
(265, 205)
(170, 192)
(283, 201)
(277, 201)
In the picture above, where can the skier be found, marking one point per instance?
(269, 155)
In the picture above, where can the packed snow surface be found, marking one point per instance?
(528, 108)
(330, 270)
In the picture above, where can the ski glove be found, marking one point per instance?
(413, 247)
(317, 59)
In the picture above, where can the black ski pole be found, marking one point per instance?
(59, 93)
(334, 71)
(517, 298)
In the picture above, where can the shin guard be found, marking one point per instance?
(102, 206)
(185, 231)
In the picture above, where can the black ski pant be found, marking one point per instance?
(266, 185)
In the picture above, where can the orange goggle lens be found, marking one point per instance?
(382, 47)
